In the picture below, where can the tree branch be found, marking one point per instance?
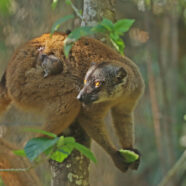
(74, 171)
(178, 165)
(76, 11)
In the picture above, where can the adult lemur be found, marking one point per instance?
(34, 80)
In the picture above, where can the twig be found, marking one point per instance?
(20, 169)
(180, 163)
(24, 169)
(76, 10)
(16, 170)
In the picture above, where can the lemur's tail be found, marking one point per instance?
(4, 99)
(8, 160)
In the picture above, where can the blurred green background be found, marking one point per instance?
(157, 44)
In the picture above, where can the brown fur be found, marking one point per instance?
(9, 161)
(55, 96)
(4, 99)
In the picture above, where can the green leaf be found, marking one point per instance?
(60, 141)
(123, 25)
(36, 146)
(58, 156)
(67, 49)
(54, 4)
(4, 6)
(99, 28)
(107, 24)
(74, 36)
(62, 153)
(80, 32)
(120, 45)
(128, 155)
(49, 151)
(117, 43)
(64, 148)
(85, 151)
(41, 132)
(69, 140)
(57, 24)
(67, 148)
(19, 152)
(114, 36)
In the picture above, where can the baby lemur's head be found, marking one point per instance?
(103, 82)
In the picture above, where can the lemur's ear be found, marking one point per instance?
(121, 73)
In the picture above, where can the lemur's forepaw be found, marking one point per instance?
(119, 162)
(135, 164)
(127, 159)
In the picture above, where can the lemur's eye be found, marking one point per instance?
(97, 84)
(85, 81)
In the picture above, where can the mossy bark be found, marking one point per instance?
(74, 171)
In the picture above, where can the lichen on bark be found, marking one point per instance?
(74, 171)
(95, 10)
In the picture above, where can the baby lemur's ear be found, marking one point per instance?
(121, 73)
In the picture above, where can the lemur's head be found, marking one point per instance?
(103, 82)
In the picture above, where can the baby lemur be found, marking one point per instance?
(112, 82)
(50, 63)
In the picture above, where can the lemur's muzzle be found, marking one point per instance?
(86, 98)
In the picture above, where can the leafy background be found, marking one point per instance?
(156, 43)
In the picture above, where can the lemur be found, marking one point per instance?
(40, 78)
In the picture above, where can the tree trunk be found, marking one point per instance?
(153, 97)
(74, 171)
(96, 10)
